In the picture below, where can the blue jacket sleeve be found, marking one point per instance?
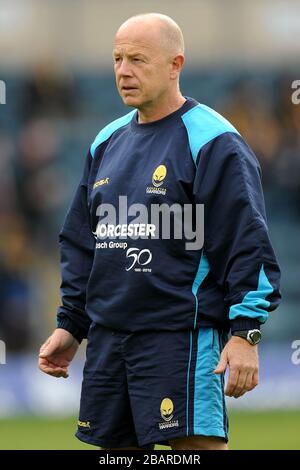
(236, 239)
(77, 253)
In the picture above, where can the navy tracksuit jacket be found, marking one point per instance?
(192, 156)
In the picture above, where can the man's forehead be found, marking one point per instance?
(142, 38)
(134, 47)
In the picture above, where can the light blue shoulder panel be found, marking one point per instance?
(203, 124)
(108, 130)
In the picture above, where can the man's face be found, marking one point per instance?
(142, 68)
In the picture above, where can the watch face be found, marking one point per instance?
(255, 336)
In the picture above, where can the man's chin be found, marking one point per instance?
(131, 101)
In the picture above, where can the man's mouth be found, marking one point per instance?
(128, 88)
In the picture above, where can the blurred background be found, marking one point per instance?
(55, 62)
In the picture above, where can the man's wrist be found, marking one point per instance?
(253, 337)
(69, 326)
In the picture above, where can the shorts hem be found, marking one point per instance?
(159, 439)
(102, 443)
(213, 432)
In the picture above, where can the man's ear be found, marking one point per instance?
(176, 66)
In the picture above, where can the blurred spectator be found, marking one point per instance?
(7, 180)
(49, 92)
(39, 182)
(270, 122)
(288, 163)
(250, 110)
(15, 258)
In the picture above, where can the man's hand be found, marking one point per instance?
(242, 359)
(57, 353)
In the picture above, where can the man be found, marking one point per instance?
(155, 313)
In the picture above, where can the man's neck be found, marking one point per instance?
(161, 110)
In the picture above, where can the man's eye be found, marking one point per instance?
(137, 60)
(117, 59)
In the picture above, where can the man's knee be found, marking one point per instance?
(198, 443)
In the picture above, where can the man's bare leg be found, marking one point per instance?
(198, 443)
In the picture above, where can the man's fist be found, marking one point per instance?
(57, 353)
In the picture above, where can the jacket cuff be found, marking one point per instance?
(69, 326)
(244, 323)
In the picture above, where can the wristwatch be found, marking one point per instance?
(252, 336)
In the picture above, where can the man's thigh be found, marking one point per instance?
(105, 417)
(172, 388)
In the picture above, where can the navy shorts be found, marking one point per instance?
(142, 389)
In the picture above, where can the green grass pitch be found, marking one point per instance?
(248, 430)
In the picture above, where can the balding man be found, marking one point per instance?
(155, 309)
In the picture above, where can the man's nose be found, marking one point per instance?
(124, 68)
